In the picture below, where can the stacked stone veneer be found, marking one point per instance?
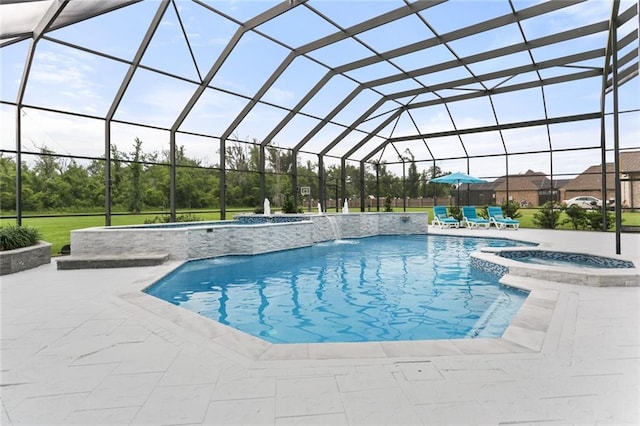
(21, 259)
(207, 240)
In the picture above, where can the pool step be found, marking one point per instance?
(111, 261)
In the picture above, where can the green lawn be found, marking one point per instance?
(526, 219)
(56, 230)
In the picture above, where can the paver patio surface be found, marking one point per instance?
(78, 348)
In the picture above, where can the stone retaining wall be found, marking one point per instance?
(17, 260)
(203, 239)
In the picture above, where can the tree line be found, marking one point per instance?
(140, 180)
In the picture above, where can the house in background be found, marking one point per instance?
(589, 182)
(630, 179)
(481, 194)
(535, 188)
(528, 189)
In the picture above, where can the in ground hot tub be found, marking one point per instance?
(558, 258)
(561, 267)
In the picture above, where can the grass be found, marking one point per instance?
(57, 230)
(526, 219)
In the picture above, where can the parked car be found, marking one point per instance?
(585, 201)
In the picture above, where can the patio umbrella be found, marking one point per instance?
(457, 179)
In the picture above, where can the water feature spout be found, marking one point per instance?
(319, 208)
(345, 208)
(267, 207)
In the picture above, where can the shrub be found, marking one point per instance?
(288, 205)
(484, 212)
(510, 209)
(158, 219)
(186, 217)
(577, 216)
(594, 220)
(581, 218)
(547, 217)
(456, 212)
(387, 204)
(15, 237)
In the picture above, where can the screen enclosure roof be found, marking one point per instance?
(357, 80)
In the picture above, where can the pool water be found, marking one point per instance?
(384, 288)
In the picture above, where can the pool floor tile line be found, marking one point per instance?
(57, 326)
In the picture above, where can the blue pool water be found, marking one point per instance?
(384, 288)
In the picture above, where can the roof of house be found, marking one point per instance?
(529, 181)
(591, 179)
(560, 183)
(630, 162)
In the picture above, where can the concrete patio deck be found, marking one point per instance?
(86, 347)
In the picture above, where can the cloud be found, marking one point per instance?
(63, 134)
(279, 96)
(65, 80)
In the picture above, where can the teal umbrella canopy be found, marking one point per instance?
(457, 179)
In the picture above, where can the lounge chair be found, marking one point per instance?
(442, 219)
(496, 216)
(472, 219)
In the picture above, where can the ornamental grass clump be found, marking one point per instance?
(15, 237)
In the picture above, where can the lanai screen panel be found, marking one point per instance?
(20, 18)
(214, 110)
(289, 88)
(334, 78)
(79, 136)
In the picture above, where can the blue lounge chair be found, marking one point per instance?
(496, 216)
(442, 219)
(472, 219)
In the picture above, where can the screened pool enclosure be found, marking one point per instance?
(213, 104)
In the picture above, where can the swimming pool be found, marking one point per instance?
(383, 288)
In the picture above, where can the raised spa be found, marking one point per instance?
(556, 258)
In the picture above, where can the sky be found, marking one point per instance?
(73, 80)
